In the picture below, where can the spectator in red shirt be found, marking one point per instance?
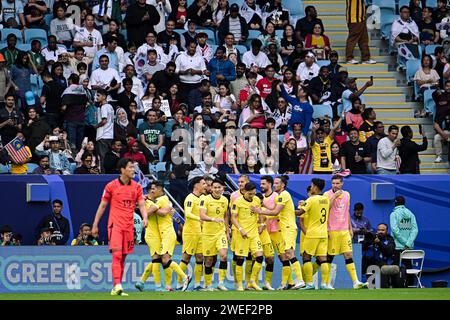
(136, 155)
(265, 84)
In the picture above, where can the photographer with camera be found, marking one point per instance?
(85, 237)
(47, 238)
(56, 223)
(378, 249)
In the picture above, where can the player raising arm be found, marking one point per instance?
(122, 194)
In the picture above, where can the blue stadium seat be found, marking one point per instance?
(24, 47)
(31, 167)
(239, 2)
(411, 68)
(124, 33)
(241, 48)
(213, 48)
(5, 32)
(139, 122)
(253, 34)
(386, 22)
(322, 110)
(73, 166)
(429, 49)
(36, 84)
(5, 168)
(3, 45)
(428, 102)
(323, 62)
(48, 19)
(295, 7)
(60, 45)
(279, 33)
(31, 34)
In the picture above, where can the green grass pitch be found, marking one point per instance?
(381, 294)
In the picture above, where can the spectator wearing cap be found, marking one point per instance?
(191, 68)
(189, 36)
(201, 13)
(167, 36)
(305, 25)
(334, 66)
(357, 32)
(110, 51)
(10, 52)
(220, 68)
(56, 223)
(308, 69)
(349, 95)
(141, 18)
(62, 27)
(88, 37)
(255, 57)
(234, 23)
(52, 51)
(203, 48)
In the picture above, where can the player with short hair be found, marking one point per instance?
(285, 210)
(213, 213)
(192, 232)
(340, 231)
(315, 211)
(122, 194)
(245, 219)
(209, 181)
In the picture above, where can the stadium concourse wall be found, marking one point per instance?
(427, 196)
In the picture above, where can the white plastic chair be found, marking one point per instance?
(414, 255)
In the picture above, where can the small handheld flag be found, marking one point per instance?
(17, 151)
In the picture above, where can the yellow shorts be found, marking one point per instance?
(266, 243)
(277, 241)
(154, 245)
(168, 241)
(251, 244)
(192, 243)
(315, 246)
(290, 238)
(339, 242)
(302, 241)
(233, 239)
(212, 244)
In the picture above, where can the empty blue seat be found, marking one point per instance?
(5, 168)
(31, 34)
(241, 48)
(32, 166)
(322, 63)
(322, 110)
(428, 102)
(7, 31)
(24, 47)
(295, 7)
(139, 122)
(3, 45)
(253, 34)
(387, 19)
(429, 49)
(411, 68)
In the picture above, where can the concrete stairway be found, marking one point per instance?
(390, 95)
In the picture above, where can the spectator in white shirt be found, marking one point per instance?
(308, 69)
(387, 152)
(164, 9)
(105, 78)
(62, 27)
(151, 66)
(52, 51)
(191, 68)
(256, 57)
(105, 125)
(88, 37)
(142, 51)
(130, 73)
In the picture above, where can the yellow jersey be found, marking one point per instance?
(316, 216)
(287, 214)
(233, 197)
(192, 214)
(322, 155)
(152, 229)
(247, 218)
(215, 208)
(164, 222)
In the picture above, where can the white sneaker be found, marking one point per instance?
(299, 284)
(353, 61)
(438, 159)
(360, 285)
(221, 287)
(268, 287)
(209, 288)
(370, 61)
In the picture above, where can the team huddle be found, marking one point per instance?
(261, 226)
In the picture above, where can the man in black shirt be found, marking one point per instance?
(441, 63)
(305, 25)
(112, 157)
(58, 225)
(427, 28)
(125, 98)
(52, 98)
(334, 66)
(409, 151)
(168, 34)
(354, 153)
(372, 143)
(164, 79)
(11, 120)
(140, 18)
(319, 85)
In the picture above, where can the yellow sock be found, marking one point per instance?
(147, 272)
(308, 272)
(285, 274)
(233, 268)
(352, 271)
(315, 267)
(208, 278)
(198, 270)
(290, 278)
(268, 277)
(183, 267)
(297, 270)
(324, 268)
(222, 271)
(255, 271)
(239, 274)
(248, 270)
(156, 270)
(178, 270)
(326, 277)
(168, 276)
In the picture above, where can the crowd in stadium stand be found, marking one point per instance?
(118, 78)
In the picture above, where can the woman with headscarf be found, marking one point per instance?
(123, 128)
(136, 155)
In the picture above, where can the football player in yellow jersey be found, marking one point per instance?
(315, 211)
(213, 213)
(192, 232)
(209, 181)
(245, 219)
(168, 236)
(285, 211)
